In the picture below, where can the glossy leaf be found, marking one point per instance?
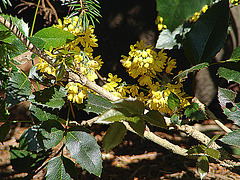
(202, 166)
(227, 97)
(97, 104)
(133, 105)
(194, 113)
(232, 138)
(176, 12)
(173, 101)
(213, 153)
(185, 73)
(230, 75)
(114, 136)
(54, 37)
(4, 130)
(116, 114)
(61, 167)
(155, 118)
(52, 97)
(208, 34)
(18, 88)
(85, 150)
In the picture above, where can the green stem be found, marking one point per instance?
(34, 19)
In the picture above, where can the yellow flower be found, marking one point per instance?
(134, 90)
(159, 23)
(110, 86)
(113, 78)
(170, 65)
(123, 90)
(145, 80)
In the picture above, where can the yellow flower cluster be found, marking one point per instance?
(197, 14)
(159, 23)
(83, 60)
(235, 2)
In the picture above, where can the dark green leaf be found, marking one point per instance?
(4, 115)
(116, 114)
(208, 34)
(227, 97)
(85, 150)
(194, 113)
(232, 138)
(25, 161)
(54, 37)
(155, 118)
(138, 125)
(230, 75)
(235, 54)
(213, 153)
(114, 136)
(4, 130)
(61, 167)
(60, 71)
(197, 150)
(18, 88)
(97, 104)
(185, 73)
(52, 97)
(175, 119)
(202, 166)
(173, 101)
(133, 105)
(175, 12)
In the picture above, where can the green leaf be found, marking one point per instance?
(133, 105)
(116, 114)
(194, 113)
(4, 130)
(138, 125)
(114, 136)
(197, 150)
(54, 37)
(155, 118)
(52, 97)
(51, 133)
(214, 138)
(85, 150)
(61, 167)
(202, 166)
(232, 138)
(25, 161)
(173, 101)
(185, 73)
(175, 119)
(208, 34)
(235, 54)
(60, 71)
(4, 115)
(97, 104)
(175, 12)
(22, 26)
(227, 97)
(230, 75)
(213, 153)
(18, 88)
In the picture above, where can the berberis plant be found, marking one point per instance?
(68, 70)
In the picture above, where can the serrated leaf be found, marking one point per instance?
(18, 88)
(194, 113)
(138, 125)
(225, 97)
(25, 161)
(213, 153)
(22, 26)
(155, 118)
(133, 105)
(173, 101)
(116, 114)
(230, 75)
(61, 167)
(51, 133)
(54, 37)
(197, 150)
(52, 97)
(114, 136)
(85, 150)
(208, 34)
(4, 130)
(97, 104)
(202, 166)
(232, 138)
(175, 12)
(185, 73)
